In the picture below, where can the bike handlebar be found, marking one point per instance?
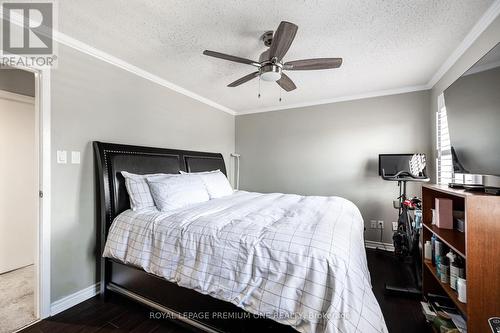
(404, 176)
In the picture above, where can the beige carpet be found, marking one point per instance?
(16, 299)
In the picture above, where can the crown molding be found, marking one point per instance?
(106, 57)
(488, 17)
(484, 22)
(371, 94)
(120, 63)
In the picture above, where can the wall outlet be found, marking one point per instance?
(380, 224)
(373, 224)
(394, 226)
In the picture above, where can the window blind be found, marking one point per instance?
(444, 161)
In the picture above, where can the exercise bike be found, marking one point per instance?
(406, 236)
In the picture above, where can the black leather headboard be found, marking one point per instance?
(111, 159)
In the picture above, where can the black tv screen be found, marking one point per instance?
(473, 112)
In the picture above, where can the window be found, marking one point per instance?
(444, 161)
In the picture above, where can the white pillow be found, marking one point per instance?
(216, 183)
(177, 191)
(138, 190)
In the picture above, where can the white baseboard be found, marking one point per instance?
(379, 245)
(74, 299)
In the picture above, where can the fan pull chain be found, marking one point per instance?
(280, 94)
(259, 88)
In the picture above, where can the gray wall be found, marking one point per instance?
(92, 100)
(484, 43)
(473, 107)
(17, 81)
(333, 150)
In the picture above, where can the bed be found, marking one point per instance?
(240, 263)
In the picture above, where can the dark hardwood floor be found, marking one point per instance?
(402, 314)
(119, 315)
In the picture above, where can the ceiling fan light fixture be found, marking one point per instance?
(270, 72)
(270, 76)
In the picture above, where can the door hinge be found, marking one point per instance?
(40, 194)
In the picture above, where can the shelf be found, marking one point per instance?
(454, 191)
(451, 237)
(446, 287)
(478, 243)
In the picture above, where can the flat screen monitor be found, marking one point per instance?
(473, 113)
(391, 164)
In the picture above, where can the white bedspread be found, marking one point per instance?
(297, 259)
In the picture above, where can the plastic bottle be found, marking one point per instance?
(438, 253)
(428, 250)
(462, 290)
(451, 256)
(418, 219)
(433, 244)
(454, 274)
(444, 270)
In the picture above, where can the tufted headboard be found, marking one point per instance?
(110, 159)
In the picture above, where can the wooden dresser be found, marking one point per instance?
(479, 246)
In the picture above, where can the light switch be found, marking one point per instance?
(62, 157)
(75, 157)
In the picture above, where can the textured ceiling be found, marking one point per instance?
(385, 44)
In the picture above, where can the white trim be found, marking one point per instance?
(488, 17)
(338, 99)
(16, 97)
(74, 299)
(484, 22)
(106, 57)
(43, 102)
(379, 245)
(99, 54)
(120, 63)
(42, 255)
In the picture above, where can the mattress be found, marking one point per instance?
(299, 260)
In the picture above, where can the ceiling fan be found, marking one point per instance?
(270, 66)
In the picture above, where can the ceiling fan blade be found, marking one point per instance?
(282, 39)
(230, 58)
(244, 79)
(312, 64)
(286, 83)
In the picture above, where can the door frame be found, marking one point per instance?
(43, 160)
